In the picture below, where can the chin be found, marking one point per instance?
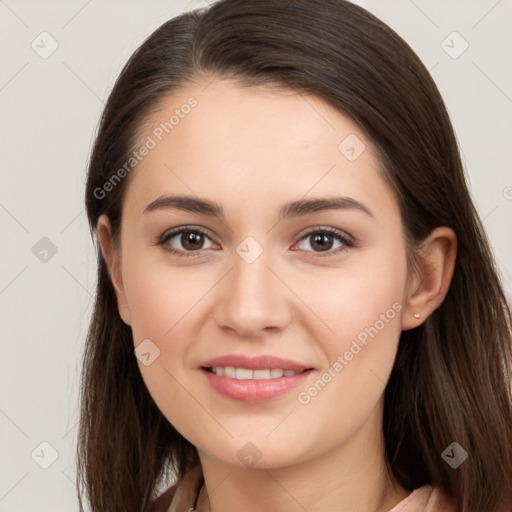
(259, 453)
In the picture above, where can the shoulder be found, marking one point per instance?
(427, 498)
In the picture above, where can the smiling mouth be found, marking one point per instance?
(254, 385)
(248, 374)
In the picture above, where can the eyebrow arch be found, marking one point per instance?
(288, 210)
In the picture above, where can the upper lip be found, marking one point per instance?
(254, 363)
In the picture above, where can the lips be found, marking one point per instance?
(253, 379)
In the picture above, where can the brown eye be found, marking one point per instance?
(327, 241)
(321, 242)
(185, 241)
(192, 240)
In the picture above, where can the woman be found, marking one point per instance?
(297, 307)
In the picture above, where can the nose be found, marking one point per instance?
(253, 300)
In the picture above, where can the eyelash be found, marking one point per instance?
(346, 241)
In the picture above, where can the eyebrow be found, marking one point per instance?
(288, 210)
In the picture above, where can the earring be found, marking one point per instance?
(416, 315)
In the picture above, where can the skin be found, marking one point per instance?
(251, 150)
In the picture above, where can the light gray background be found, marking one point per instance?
(49, 112)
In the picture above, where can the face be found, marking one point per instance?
(271, 276)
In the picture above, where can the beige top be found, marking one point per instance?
(182, 497)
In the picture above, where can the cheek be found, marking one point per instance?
(159, 296)
(161, 301)
(364, 293)
(365, 313)
(362, 304)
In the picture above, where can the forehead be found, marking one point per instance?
(275, 118)
(249, 142)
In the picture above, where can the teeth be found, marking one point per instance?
(276, 373)
(245, 373)
(229, 371)
(261, 374)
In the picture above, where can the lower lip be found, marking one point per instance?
(254, 390)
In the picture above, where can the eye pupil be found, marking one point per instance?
(192, 240)
(322, 242)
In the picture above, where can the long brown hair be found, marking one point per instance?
(452, 376)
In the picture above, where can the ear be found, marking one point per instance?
(112, 256)
(431, 280)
